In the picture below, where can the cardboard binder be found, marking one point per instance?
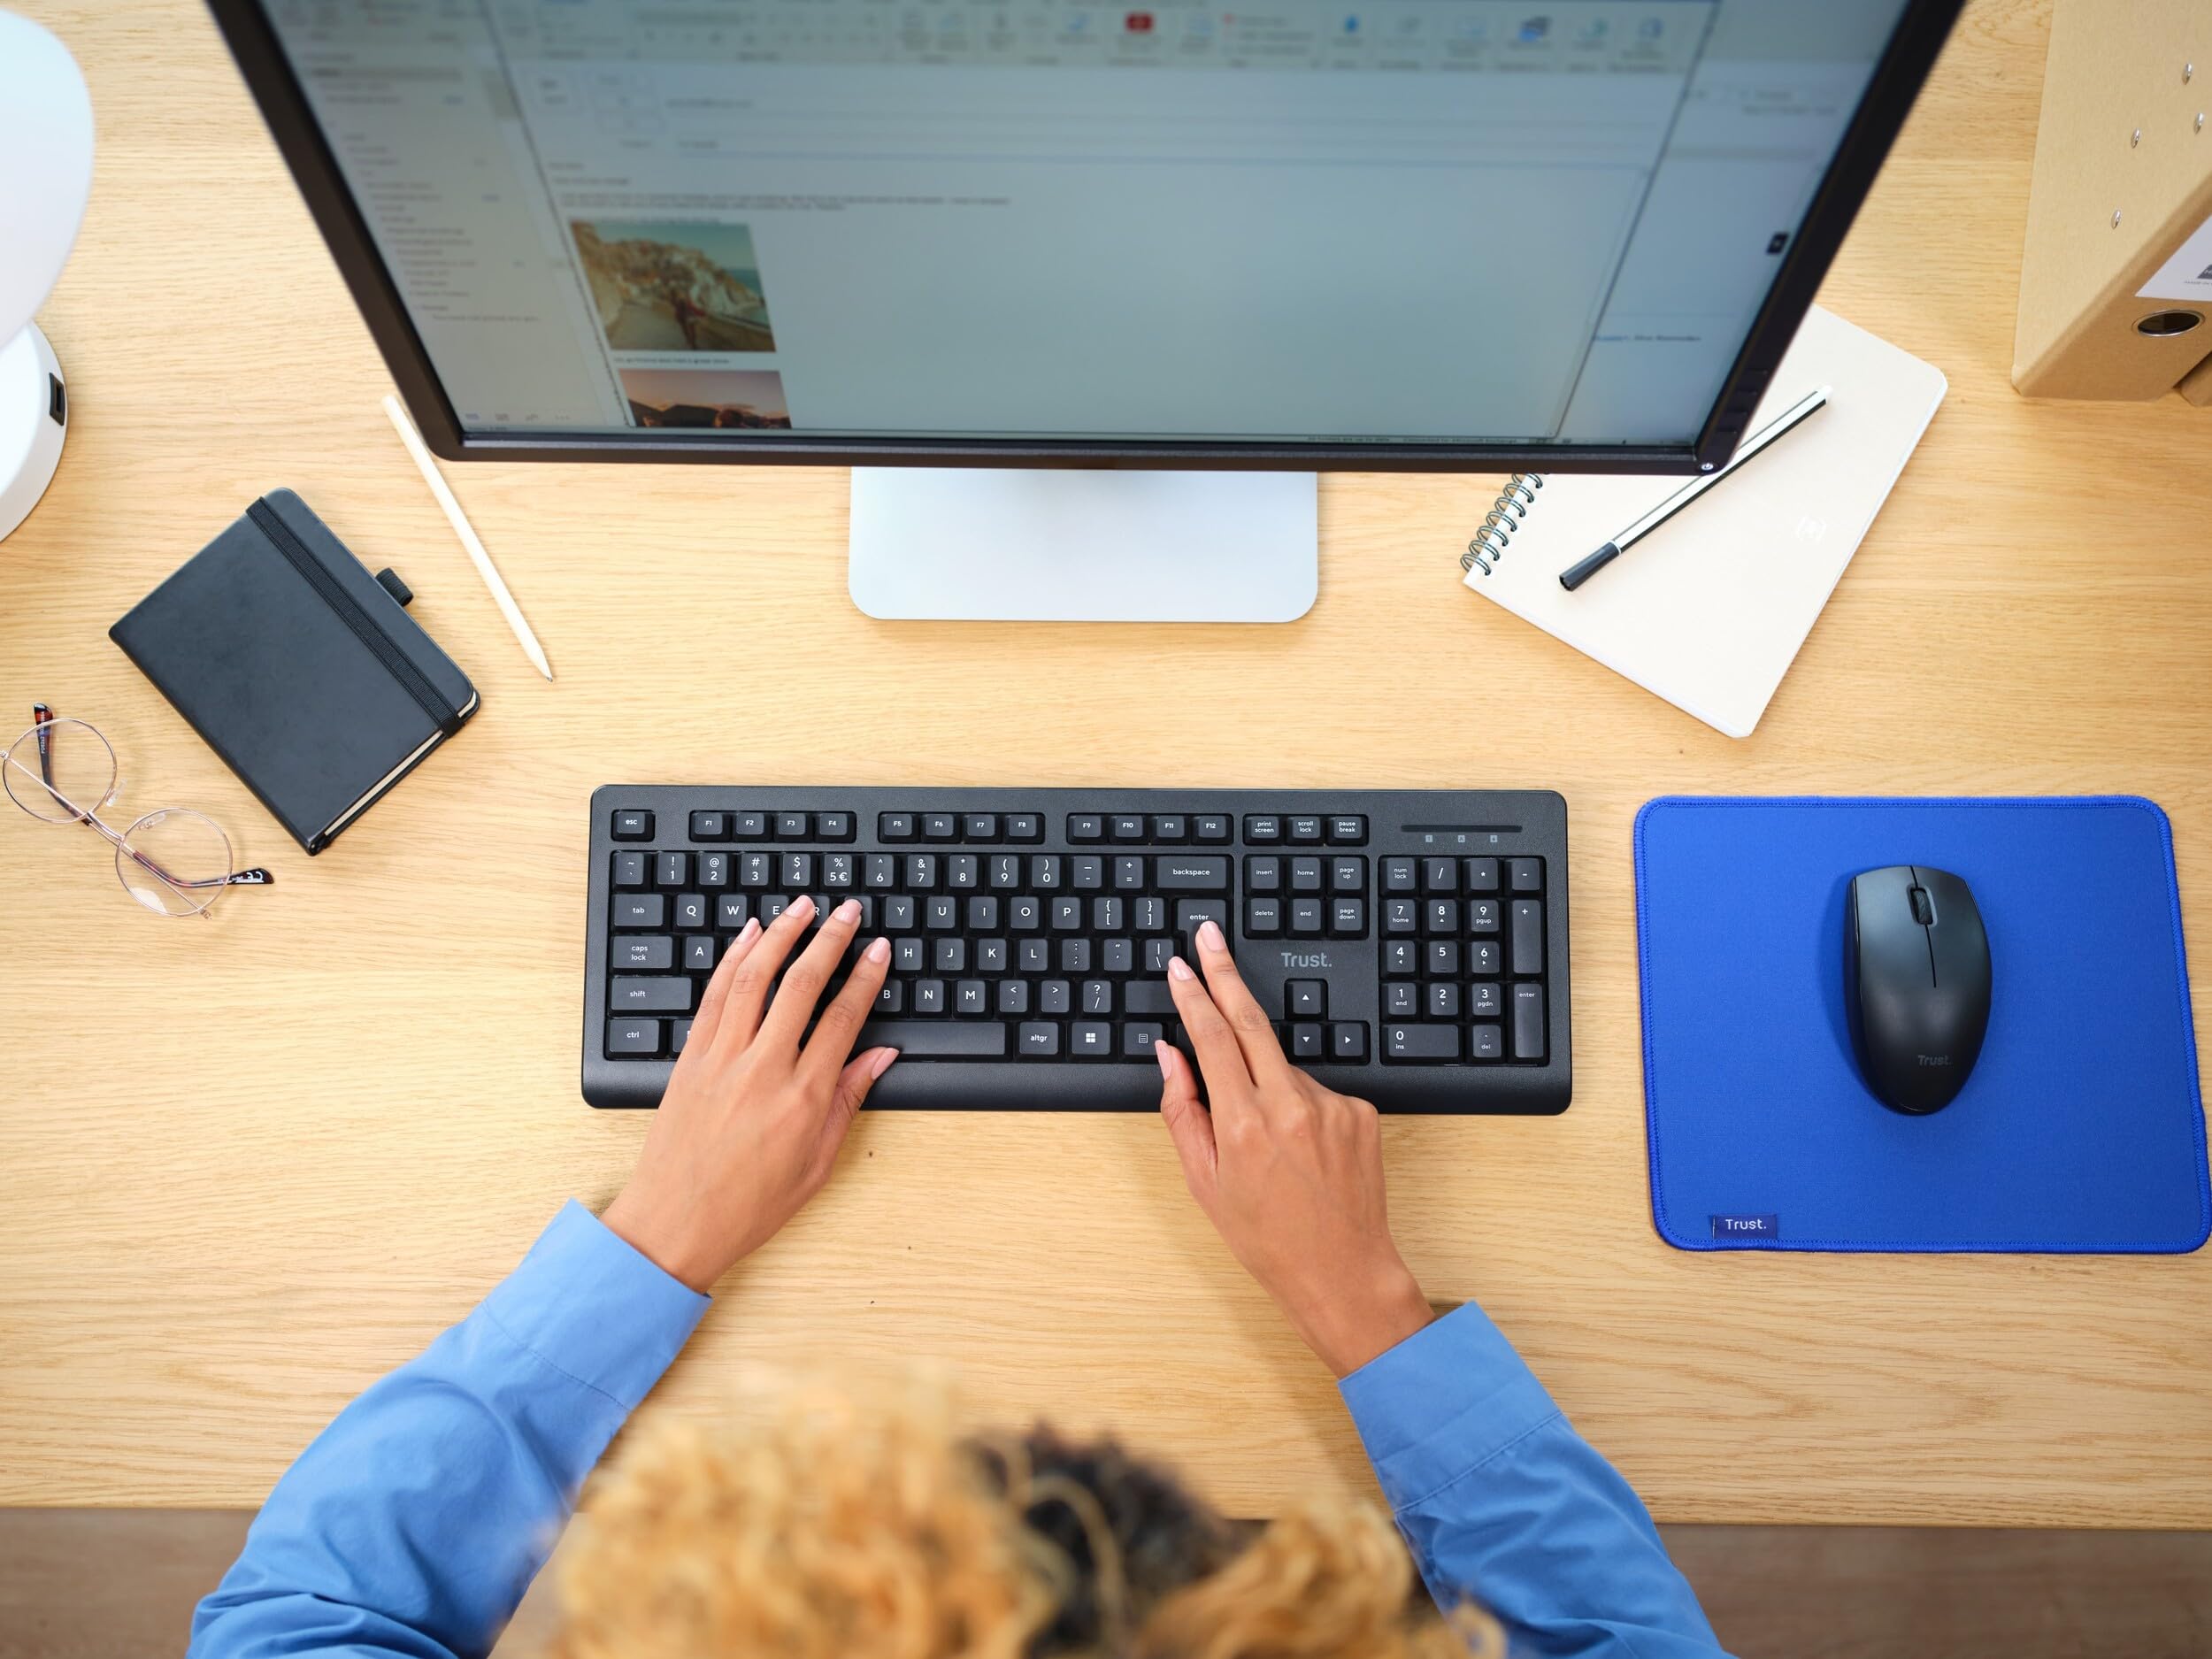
(2119, 248)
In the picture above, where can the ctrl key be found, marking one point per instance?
(633, 1038)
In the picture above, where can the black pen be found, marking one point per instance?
(1810, 405)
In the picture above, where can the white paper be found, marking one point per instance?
(2188, 275)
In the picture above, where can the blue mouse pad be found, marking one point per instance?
(2080, 1129)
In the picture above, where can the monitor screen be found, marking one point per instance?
(1491, 223)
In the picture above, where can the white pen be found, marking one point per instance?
(474, 547)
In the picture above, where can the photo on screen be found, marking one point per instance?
(706, 398)
(675, 286)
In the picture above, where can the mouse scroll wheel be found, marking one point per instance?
(1922, 911)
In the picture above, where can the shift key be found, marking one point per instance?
(656, 994)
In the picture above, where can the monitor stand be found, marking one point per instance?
(978, 544)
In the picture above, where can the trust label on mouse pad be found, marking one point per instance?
(2070, 1123)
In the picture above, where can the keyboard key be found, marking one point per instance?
(669, 994)
(1486, 1042)
(838, 873)
(1004, 872)
(699, 954)
(1187, 872)
(1039, 1039)
(714, 871)
(880, 871)
(1190, 912)
(948, 955)
(1013, 996)
(1486, 1000)
(1087, 873)
(895, 827)
(1441, 916)
(1055, 997)
(1261, 827)
(834, 826)
(1170, 827)
(1485, 959)
(941, 914)
(1306, 999)
(979, 827)
(940, 826)
(793, 827)
(690, 913)
(934, 1039)
(1306, 830)
(1528, 1022)
(633, 1037)
(1127, 827)
(652, 953)
(1439, 875)
(1528, 937)
(1146, 996)
(892, 998)
(1348, 830)
(1149, 915)
(1262, 874)
(1348, 1042)
(731, 912)
(1401, 999)
(1348, 918)
(1482, 915)
(1139, 1041)
(1306, 1040)
(971, 996)
(631, 825)
(1210, 829)
(748, 826)
(1421, 1042)
(921, 871)
(1067, 914)
(1263, 919)
(797, 870)
(1443, 999)
(1098, 997)
(990, 956)
(1075, 956)
(1401, 915)
(629, 870)
(1348, 875)
(639, 910)
(679, 1034)
(1024, 826)
(1481, 875)
(1398, 875)
(1305, 918)
(1086, 827)
(1093, 1038)
(671, 869)
(709, 826)
(982, 914)
(756, 870)
(963, 870)
(929, 996)
(1129, 873)
(1442, 960)
(1305, 875)
(1118, 957)
(1525, 875)
(1402, 958)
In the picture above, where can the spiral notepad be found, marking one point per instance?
(1708, 610)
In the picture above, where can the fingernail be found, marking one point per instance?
(882, 1062)
(850, 910)
(881, 951)
(1209, 936)
(801, 907)
(1177, 969)
(1159, 1053)
(749, 929)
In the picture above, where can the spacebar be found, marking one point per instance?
(936, 1039)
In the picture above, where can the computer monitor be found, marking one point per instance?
(1256, 239)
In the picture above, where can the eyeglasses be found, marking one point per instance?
(175, 862)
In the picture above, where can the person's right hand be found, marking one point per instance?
(1290, 1173)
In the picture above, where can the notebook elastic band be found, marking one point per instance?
(442, 714)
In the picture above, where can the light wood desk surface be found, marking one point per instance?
(246, 1166)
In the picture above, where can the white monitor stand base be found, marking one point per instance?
(1043, 545)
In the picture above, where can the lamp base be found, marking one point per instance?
(34, 417)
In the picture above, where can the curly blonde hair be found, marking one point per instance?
(859, 1528)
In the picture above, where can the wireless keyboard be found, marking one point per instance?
(1412, 944)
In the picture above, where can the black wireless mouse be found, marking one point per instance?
(1915, 982)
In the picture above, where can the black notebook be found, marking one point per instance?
(299, 668)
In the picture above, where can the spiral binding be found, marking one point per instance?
(1499, 524)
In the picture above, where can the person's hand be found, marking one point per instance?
(750, 1122)
(1290, 1173)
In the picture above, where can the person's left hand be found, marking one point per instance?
(750, 1122)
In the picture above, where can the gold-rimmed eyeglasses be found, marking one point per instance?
(173, 861)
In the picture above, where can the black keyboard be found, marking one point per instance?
(1412, 944)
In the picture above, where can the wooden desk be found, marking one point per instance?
(250, 1164)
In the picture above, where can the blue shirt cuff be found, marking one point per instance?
(1447, 1400)
(593, 1308)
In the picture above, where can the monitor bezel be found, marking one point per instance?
(1898, 76)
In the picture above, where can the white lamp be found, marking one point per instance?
(45, 174)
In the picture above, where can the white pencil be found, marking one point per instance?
(482, 560)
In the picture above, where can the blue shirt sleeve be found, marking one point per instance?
(414, 1523)
(1505, 1505)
